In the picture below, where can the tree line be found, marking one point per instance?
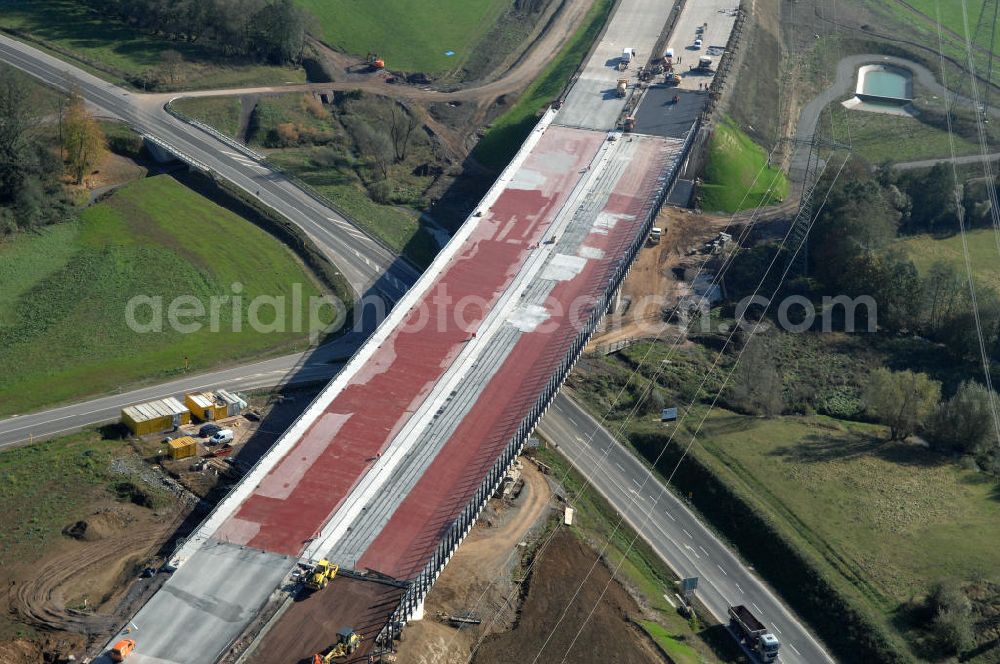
(270, 30)
(852, 251)
(40, 144)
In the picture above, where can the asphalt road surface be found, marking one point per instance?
(317, 365)
(673, 531)
(366, 264)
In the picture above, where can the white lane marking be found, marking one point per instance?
(636, 482)
(686, 532)
(738, 588)
(776, 628)
(757, 607)
(691, 549)
(703, 550)
(573, 420)
(669, 514)
(620, 467)
(720, 568)
(795, 649)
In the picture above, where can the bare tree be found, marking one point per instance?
(402, 124)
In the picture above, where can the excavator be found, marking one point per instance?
(321, 575)
(347, 643)
(376, 63)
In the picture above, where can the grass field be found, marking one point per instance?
(45, 484)
(736, 174)
(408, 40)
(892, 518)
(952, 18)
(878, 137)
(223, 113)
(119, 51)
(926, 250)
(507, 133)
(65, 292)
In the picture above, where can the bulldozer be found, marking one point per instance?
(321, 575)
(376, 63)
(348, 641)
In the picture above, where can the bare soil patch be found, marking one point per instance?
(478, 580)
(596, 623)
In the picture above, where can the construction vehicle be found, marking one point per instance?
(622, 88)
(628, 124)
(672, 78)
(376, 63)
(121, 650)
(655, 234)
(626, 59)
(321, 575)
(704, 63)
(752, 634)
(348, 641)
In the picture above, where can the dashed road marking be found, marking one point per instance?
(757, 607)
(720, 568)
(738, 588)
(687, 533)
(776, 628)
(620, 467)
(703, 549)
(795, 649)
(670, 515)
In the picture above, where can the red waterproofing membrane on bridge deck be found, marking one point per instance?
(406, 543)
(298, 496)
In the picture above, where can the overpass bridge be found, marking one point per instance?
(387, 470)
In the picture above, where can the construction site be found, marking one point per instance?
(328, 544)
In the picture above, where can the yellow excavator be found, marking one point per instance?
(321, 574)
(347, 643)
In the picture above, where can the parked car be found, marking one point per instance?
(221, 436)
(697, 43)
(209, 430)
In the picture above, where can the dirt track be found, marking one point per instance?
(478, 578)
(524, 66)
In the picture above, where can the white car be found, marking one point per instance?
(221, 436)
(697, 43)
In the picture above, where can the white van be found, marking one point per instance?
(669, 53)
(221, 436)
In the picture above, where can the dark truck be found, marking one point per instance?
(753, 634)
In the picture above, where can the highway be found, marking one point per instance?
(674, 532)
(319, 364)
(367, 265)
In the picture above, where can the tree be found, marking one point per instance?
(756, 385)
(935, 207)
(859, 218)
(952, 616)
(901, 400)
(964, 423)
(281, 32)
(943, 288)
(84, 141)
(402, 124)
(19, 123)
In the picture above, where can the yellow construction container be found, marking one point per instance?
(182, 448)
(155, 416)
(212, 406)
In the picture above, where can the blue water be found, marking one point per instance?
(885, 84)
